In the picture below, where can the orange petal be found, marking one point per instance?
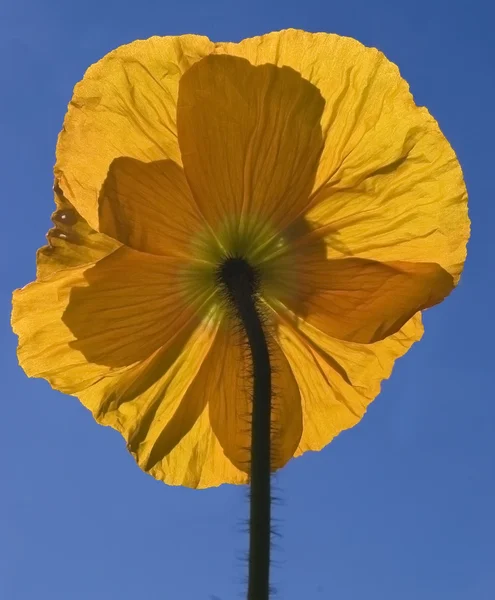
(229, 387)
(149, 207)
(388, 185)
(338, 380)
(250, 139)
(159, 406)
(360, 300)
(86, 321)
(130, 304)
(146, 382)
(124, 106)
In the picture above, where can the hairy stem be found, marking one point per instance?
(241, 288)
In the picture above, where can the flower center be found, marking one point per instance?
(235, 273)
(248, 248)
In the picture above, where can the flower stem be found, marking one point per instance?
(259, 518)
(241, 285)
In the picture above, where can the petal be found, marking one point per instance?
(124, 106)
(72, 242)
(229, 388)
(360, 300)
(136, 302)
(149, 207)
(159, 406)
(338, 380)
(250, 139)
(157, 402)
(100, 318)
(388, 186)
(206, 441)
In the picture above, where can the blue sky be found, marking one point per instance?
(400, 507)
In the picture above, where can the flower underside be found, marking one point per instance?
(298, 161)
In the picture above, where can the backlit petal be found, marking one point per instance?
(157, 402)
(229, 388)
(149, 207)
(250, 139)
(124, 106)
(87, 321)
(388, 185)
(360, 300)
(71, 242)
(159, 406)
(338, 380)
(130, 305)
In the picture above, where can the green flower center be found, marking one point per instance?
(237, 245)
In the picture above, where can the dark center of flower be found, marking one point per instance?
(237, 276)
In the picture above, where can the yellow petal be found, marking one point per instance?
(250, 139)
(130, 305)
(115, 335)
(388, 186)
(229, 389)
(361, 300)
(124, 106)
(100, 318)
(149, 207)
(187, 422)
(72, 242)
(160, 407)
(338, 380)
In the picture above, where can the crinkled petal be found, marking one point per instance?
(130, 305)
(228, 384)
(100, 318)
(149, 207)
(71, 242)
(160, 407)
(337, 379)
(250, 139)
(148, 384)
(388, 185)
(124, 106)
(360, 300)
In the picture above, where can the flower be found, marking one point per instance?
(305, 155)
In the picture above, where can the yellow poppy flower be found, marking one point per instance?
(305, 155)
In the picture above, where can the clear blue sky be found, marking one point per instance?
(402, 507)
